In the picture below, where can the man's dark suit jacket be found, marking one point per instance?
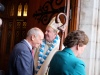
(21, 60)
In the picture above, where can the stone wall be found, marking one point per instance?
(90, 23)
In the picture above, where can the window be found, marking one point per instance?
(19, 10)
(12, 11)
(25, 10)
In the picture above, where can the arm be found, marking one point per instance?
(80, 69)
(24, 63)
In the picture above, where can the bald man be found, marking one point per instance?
(21, 60)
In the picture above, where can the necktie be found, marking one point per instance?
(33, 53)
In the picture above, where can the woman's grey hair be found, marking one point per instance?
(35, 31)
(77, 37)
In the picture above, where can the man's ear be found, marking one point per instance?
(32, 37)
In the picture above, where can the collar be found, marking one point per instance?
(28, 44)
(48, 43)
(68, 50)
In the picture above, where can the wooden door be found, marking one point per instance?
(42, 11)
(13, 29)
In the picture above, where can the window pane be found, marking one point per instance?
(25, 10)
(12, 11)
(19, 9)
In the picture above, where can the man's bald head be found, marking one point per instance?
(35, 37)
(36, 31)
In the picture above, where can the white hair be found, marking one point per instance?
(35, 31)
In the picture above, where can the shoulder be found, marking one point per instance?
(21, 45)
(58, 54)
(80, 62)
(20, 49)
(79, 67)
